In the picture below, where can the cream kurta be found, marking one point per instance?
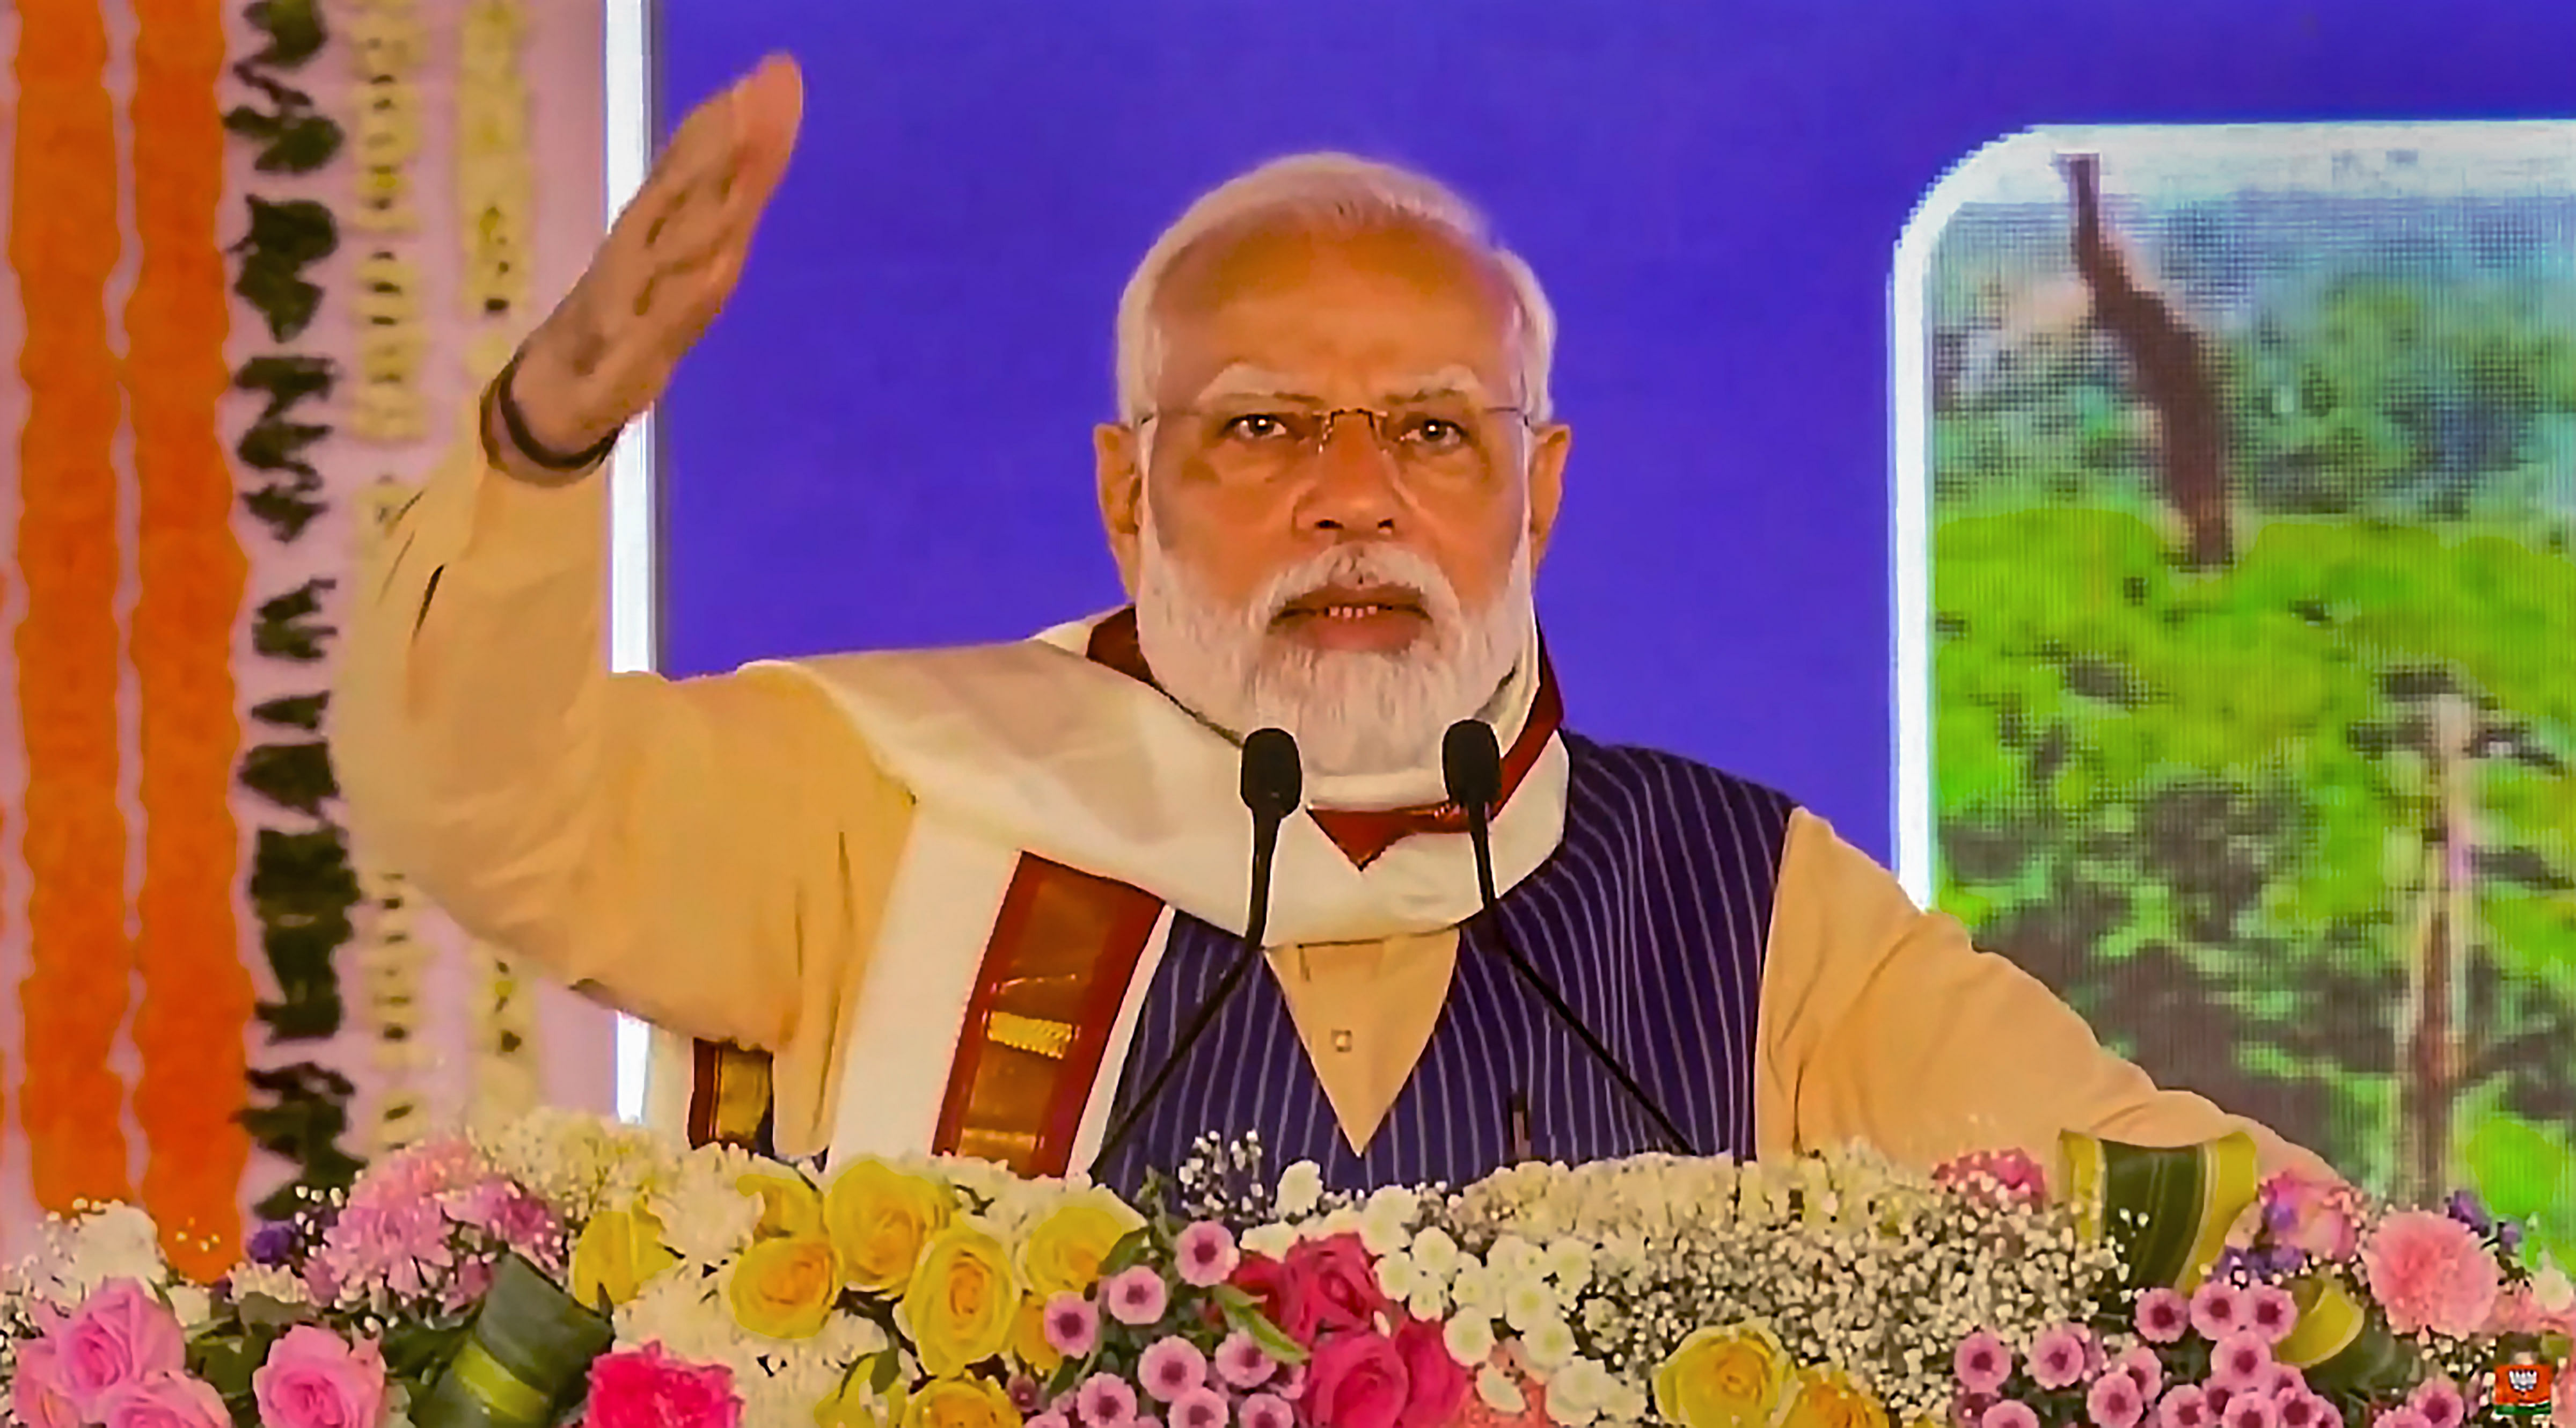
(715, 855)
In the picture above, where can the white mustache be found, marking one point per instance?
(1359, 565)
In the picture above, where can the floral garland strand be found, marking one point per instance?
(301, 885)
(387, 42)
(496, 197)
(63, 241)
(197, 995)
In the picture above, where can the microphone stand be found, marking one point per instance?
(1272, 785)
(1475, 784)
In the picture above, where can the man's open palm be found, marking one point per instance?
(668, 265)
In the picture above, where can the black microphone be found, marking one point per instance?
(1273, 782)
(1472, 765)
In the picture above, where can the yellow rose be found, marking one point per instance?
(618, 1251)
(1029, 1341)
(1723, 1378)
(1827, 1398)
(1064, 1251)
(962, 1302)
(790, 1207)
(879, 1218)
(961, 1403)
(785, 1288)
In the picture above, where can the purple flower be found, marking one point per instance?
(2011, 1413)
(2440, 1403)
(1106, 1401)
(2239, 1362)
(2115, 1402)
(1171, 1369)
(2140, 1363)
(2271, 1312)
(1207, 1254)
(2466, 1209)
(1199, 1408)
(1242, 1362)
(2185, 1407)
(2217, 1310)
(2248, 1410)
(2057, 1357)
(1982, 1363)
(1268, 1410)
(1072, 1325)
(272, 1244)
(2162, 1316)
(1136, 1297)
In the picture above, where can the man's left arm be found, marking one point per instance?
(1883, 1023)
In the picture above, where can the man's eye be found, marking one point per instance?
(1256, 426)
(1437, 433)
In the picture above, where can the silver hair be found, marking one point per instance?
(1335, 191)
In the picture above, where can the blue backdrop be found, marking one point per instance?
(885, 440)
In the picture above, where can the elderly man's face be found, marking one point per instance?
(1332, 514)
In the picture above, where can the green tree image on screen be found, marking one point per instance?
(2297, 828)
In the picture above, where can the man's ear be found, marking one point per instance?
(1546, 484)
(1118, 456)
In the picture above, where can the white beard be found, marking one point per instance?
(1352, 712)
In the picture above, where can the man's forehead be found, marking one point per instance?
(1253, 379)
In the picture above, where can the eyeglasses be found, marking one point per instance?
(1449, 437)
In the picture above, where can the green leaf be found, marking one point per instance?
(1243, 1314)
(883, 1370)
(1129, 1252)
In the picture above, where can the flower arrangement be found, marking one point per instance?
(566, 1269)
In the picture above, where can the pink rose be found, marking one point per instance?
(1358, 1382)
(2429, 1271)
(1437, 1381)
(2309, 1214)
(120, 1335)
(1281, 1295)
(38, 1395)
(645, 1388)
(316, 1379)
(1341, 1284)
(167, 1400)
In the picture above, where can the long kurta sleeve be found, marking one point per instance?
(707, 854)
(1882, 1023)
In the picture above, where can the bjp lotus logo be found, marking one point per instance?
(2524, 1390)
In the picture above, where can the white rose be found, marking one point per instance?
(1513, 1256)
(1569, 1263)
(1436, 1252)
(1398, 1276)
(1271, 1241)
(1549, 1343)
(1528, 1302)
(1469, 1338)
(1301, 1188)
(1578, 1393)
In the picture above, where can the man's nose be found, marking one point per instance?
(1355, 488)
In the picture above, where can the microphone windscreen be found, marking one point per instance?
(1471, 763)
(1272, 779)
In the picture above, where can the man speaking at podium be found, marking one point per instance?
(1216, 862)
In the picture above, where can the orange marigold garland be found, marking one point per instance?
(63, 241)
(197, 995)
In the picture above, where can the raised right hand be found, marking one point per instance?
(668, 265)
